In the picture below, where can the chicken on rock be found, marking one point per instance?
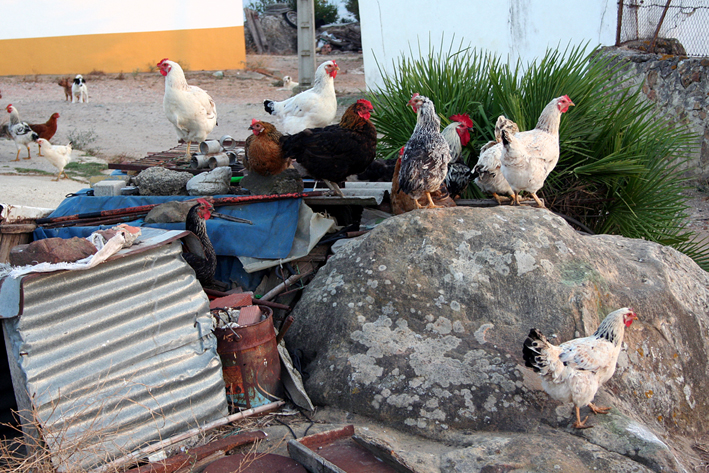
(204, 265)
(263, 153)
(528, 157)
(46, 130)
(337, 151)
(488, 175)
(312, 108)
(574, 370)
(59, 156)
(190, 109)
(424, 164)
(19, 131)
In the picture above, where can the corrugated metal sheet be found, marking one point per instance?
(118, 356)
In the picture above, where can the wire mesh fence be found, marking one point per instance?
(684, 20)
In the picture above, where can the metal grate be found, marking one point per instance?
(684, 20)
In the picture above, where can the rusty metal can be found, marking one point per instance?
(250, 362)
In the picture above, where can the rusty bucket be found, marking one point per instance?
(250, 362)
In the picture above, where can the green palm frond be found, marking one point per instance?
(620, 167)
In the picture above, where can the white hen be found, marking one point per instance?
(190, 109)
(528, 157)
(19, 131)
(489, 176)
(312, 108)
(574, 370)
(59, 156)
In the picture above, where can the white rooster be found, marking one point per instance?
(59, 156)
(528, 157)
(489, 176)
(190, 109)
(312, 108)
(574, 370)
(19, 131)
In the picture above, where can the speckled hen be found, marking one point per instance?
(424, 164)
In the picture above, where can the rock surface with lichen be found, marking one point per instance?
(420, 324)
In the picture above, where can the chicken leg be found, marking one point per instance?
(539, 202)
(17, 158)
(334, 188)
(29, 155)
(501, 198)
(580, 424)
(431, 205)
(598, 410)
(189, 143)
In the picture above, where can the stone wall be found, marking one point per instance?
(679, 88)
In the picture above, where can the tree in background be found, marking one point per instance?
(325, 12)
(352, 6)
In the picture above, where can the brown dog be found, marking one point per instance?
(66, 83)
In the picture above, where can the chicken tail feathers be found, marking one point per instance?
(268, 106)
(532, 350)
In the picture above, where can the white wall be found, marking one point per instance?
(509, 28)
(46, 18)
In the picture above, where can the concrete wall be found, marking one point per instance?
(70, 37)
(511, 28)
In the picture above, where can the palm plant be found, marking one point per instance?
(619, 171)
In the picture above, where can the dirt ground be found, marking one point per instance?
(125, 118)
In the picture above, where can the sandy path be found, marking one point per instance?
(127, 119)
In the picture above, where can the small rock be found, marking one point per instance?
(214, 182)
(284, 183)
(160, 181)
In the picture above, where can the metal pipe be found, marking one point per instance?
(659, 25)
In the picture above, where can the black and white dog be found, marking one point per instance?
(79, 92)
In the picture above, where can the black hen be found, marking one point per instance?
(337, 151)
(204, 266)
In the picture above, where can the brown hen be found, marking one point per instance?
(262, 152)
(46, 130)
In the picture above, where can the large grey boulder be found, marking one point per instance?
(215, 182)
(420, 324)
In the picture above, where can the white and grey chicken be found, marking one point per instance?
(574, 370)
(59, 156)
(19, 131)
(312, 108)
(190, 109)
(528, 157)
(488, 174)
(424, 164)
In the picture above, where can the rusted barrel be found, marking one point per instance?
(250, 362)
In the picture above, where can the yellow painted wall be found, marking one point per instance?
(194, 49)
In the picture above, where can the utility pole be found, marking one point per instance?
(306, 43)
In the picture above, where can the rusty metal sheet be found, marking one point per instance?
(335, 451)
(174, 159)
(256, 463)
(118, 356)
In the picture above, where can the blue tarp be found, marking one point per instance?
(271, 235)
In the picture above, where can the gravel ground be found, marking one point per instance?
(125, 117)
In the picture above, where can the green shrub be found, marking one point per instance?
(619, 171)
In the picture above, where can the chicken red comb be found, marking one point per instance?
(204, 202)
(365, 102)
(401, 151)
(9, 106)
(254, 121)
(463, 118)
(160, 63)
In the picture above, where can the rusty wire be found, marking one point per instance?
(684, 20)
